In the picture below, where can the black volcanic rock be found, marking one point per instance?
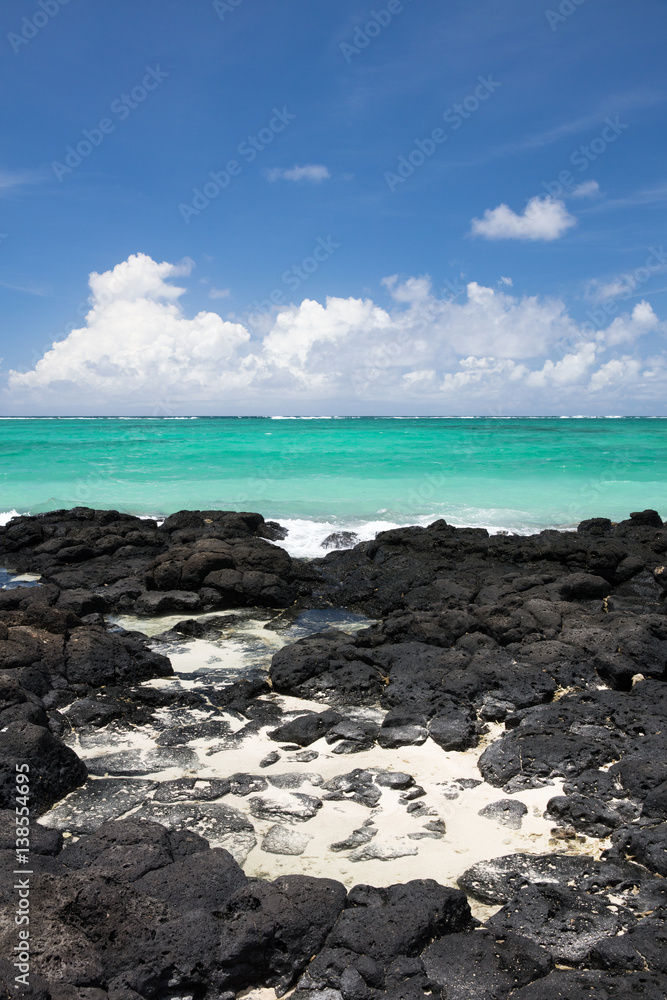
(481, 965)
(54, 769)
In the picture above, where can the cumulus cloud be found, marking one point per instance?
(627, 329)
(542, 219)
(136, 339)
(313, 172)
(489, 348)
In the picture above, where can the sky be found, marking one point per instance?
(333, 207)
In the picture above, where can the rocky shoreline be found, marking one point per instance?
(553, 644)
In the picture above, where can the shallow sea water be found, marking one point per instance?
(319, 475)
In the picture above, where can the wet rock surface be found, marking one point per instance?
(558, 640)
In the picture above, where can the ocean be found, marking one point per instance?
(317, 475)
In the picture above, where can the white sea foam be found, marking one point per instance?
(305, 536)
(7, 515)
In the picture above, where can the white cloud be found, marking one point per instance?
(619, 371)
(313, 172)
(506, 281)
(423, 353)
(627, 329)
(543, 219)
(136, 341)
(219, 293)
(589, 189)
(603, 291)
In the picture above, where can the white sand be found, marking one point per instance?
(469, 837)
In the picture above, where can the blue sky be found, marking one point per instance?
(408, 207)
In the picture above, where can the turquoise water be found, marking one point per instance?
(516, 474)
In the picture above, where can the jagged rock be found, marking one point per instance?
(340, 540)
(306, 728)
(646, 845)
(363, 835)
(269, 931)
(357, 785)
(202, 881)
(585, 813)
(399, 919)
(54, 769)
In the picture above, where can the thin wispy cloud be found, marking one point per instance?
(645, 196)
(315, 173)
(542, 219)
(11, 181)
(617, 105)
(41, 292)
(589, 189)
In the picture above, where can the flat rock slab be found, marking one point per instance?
(296, 779)
(243, 784)
(507, 812)
(497, 881)
(384, 851)
(136, 762)
(291, 807)
(568, 923)
(394, 779)
(566, 984)
(192, 790)
(99, 800)
(401, 736)
(285, 840)
(221, 825)
(177, 736)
